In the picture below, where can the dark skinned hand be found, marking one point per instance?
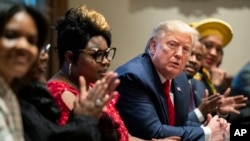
(230, 104)
(209, 104)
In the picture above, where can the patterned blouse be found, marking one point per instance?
(10, 117)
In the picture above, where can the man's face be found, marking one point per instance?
(170, 53)
(195, 60)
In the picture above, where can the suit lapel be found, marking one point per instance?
(181, 98)
(157, 87)
(199, 91)
(178, 86)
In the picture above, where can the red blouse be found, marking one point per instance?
(56, 89)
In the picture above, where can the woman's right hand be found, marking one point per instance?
(91, 102)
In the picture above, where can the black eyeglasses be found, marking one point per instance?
(99, 55)
(46, 48)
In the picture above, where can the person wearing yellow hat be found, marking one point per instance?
(215, 34)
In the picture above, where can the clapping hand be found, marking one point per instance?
(91, 102)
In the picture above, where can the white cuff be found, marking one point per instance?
(199, 115)
(207, 132)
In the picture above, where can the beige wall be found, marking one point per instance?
(133, 20)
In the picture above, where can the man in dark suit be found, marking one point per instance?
(142, 103)
(200, 104)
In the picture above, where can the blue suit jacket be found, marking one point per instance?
(142, 103)
(241, 85)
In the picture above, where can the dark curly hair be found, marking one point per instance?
(75, 29)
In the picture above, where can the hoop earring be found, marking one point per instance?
(70, 69)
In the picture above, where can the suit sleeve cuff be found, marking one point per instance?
(199, 115)
(207, 132)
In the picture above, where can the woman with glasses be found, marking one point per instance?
(83, 46)
(39, 111)
(84, 40)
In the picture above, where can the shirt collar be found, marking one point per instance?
(162, 78)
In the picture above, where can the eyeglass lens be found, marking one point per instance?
(46, 49)
(108, 54)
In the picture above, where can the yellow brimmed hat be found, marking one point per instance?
(212, 26)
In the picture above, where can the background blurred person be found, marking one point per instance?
(198, 98)
(215, 34)
(23, 31)
(241, 85)
(200, 104)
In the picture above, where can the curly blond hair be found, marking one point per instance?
(94, 16)
(75, 29)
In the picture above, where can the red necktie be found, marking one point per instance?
(170, 106)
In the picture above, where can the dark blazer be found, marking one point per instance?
(198, 89)
(38, 128)
(142, 103)
(38, 113)
(241, 85)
